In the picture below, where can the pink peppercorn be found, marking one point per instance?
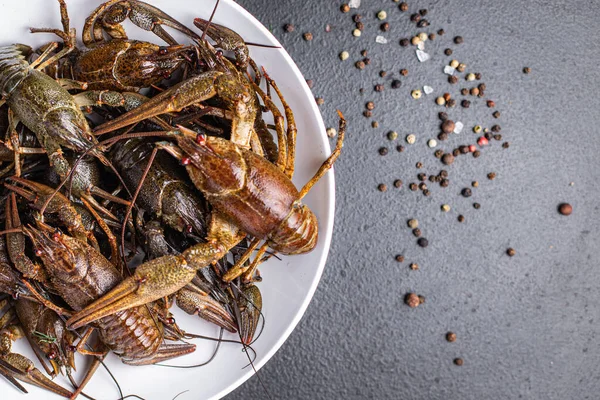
(482, 141)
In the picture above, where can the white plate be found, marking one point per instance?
(288, 285)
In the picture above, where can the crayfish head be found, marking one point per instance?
(64, 257)
(144, 64)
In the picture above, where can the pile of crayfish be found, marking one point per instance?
(135, 176)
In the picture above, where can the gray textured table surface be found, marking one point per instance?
(528, 326)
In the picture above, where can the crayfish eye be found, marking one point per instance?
(185, 161)
(171, 321)
(201, 139)
(189, 228)
(219, 53)
(38, 252)
(71, 348)
(167, 75)
(51, 355)
(163, 51)
(56, 236)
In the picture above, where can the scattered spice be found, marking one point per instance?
(397, 183)
(447, 159)
(451, 337)
(370, 105)
(505, 145)
(432, 143)
(403, 72)
(382, 187)
(476, 206)
(491, 176)
(400, 148)
(448, 126)
(441, 32)
(331, 132)
(416, 232)
(412, 300)
(392, 135)
(384, 27)
(307, 36)
(345, 8)
(360, 64)
(356, 32)
(423, 242)
(381, 15)
(461, 218)
(383, 151)
(413, 186)
(344, 55)
(320, 101)
(511, 252)
(465, 103)
(458, 39)
(445, 207)
(466, 192)
(396, 84)
(400, 258)
(289, 28)
(475, 184)
(453, 79)
(414, 266)
(403, 6)
(411, 139)
(416, 94)
(379, 87)
(404, 42)
(565, 209)
(458, 361)
(448, 52)
(470, 77)
(440, 101)
(413, 223)
(526, 70)
(375, 124)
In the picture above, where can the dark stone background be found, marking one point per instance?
(528, 326)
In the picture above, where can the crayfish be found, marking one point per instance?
(137, 176)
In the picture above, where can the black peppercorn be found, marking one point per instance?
(465, 103)
(383, 151)
(438, 153)
(458, 39)
(356, 17)
(404, 42)
(379, 87)
(443, 136)
(444, 173)
(403, 6)
(448, 52)
(476, 153)
(423, 242)
(476, 206)
(398, 183)
(496, 128)
(453, 79)
(416, 232)
(400, 148)
(288, 28)
(447, 159)
(444, 183)
(466, 192)
(384, 27)
(443, 116)
(413, 187)
(415, 18)
(456, 152)
(396, 84)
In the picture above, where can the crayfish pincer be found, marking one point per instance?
(250, 195)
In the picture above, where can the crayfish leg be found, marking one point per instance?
(14, 365)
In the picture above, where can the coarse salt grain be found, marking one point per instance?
(354, 3)
(381, 40)
(421, 45)
(422, 56)
(448, 70)
(427, 89)
(458, 127)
